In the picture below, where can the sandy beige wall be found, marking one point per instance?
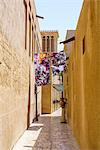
(84, 78)
(15, 66)
(14, 85)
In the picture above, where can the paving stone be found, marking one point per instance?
(55, 135)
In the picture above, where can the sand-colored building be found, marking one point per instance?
(19, 38)
(49, 45)
(49, 41)
(84, 78)
(68, 49)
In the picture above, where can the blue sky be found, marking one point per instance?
(59, 15)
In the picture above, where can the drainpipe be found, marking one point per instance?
(62, 103)
(62, 84)
(36, 103)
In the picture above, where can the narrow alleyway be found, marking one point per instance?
(54, 135)
(47, 134)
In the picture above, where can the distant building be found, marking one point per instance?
(49, 94)
(69, 34)
(49, 41)
(68, 49)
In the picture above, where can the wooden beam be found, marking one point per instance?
(68, 40)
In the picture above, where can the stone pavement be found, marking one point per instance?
(55, 135)
(47, 134)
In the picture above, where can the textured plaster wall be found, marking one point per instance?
(14, 83)
(14, 73)
(12, 22)
(84, 78)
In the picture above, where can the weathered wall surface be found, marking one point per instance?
(16, 73)
(84, 78)
(14, 86)
(46, 99)
(12, 22)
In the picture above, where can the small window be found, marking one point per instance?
(32, 43)
(48, 43)
(32, 18)
(30, 5)
(83, 43)
(43, 43)
(25, 24)
(29, 35)
(52, 43)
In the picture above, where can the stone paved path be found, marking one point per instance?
(54, 135)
